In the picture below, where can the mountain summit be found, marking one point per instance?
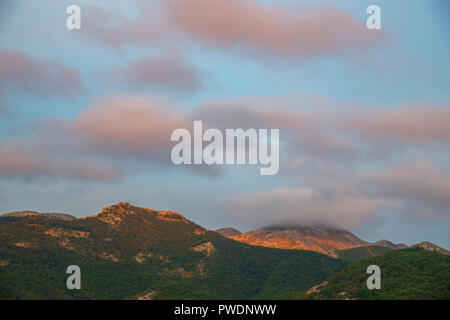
(114, 214)
(228, 232)
(314, 238)
(391, 245)
(49, 215)
(431, 247)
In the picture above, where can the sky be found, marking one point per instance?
(364, 115)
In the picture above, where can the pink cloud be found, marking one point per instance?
(415, 124)
(291, 33)
(125, 129)
(115, 130)
(351, 135)
(167, 71)
(18, 71)
(113, 28)
(20, 162)
(313, 133)
(259, 29)
(126, 126)
(415, 190)
(424, 186)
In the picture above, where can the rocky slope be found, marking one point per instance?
(50, 215)
(319, 239)
(431, 247)
(389, 244)
(228, 232)
(333, 242)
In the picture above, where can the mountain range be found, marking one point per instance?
(50, 215)
(313, 238)
(129, 252)
(331, 241)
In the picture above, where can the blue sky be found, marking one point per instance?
(341, 153)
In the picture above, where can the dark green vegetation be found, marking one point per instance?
(359, 253)
(126, 252)
(405, 274)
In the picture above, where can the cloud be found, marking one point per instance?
(18, 71)
(167, 71)
(416, 124)
(123, 126)
(17, 162)
(129, 127)
(423, 188)
(126, 128)
(346, 137)
(255, 28)
(414, 190)
(292, 33)
(347, 168)
(128, 131)
(314, 134)
(305, 206)
(113, 28)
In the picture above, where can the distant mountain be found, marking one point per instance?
(319, 239)
(51, 215)
(228, 232)
(132, 252)
(359, 253)
(58, 216)
(20, 214)
(388, 244)
(431, 247)
(336, 243)
(412, 273)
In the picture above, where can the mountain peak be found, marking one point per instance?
(49, 215)
(302, 227)
(115, 213)
(228, 232)
(389, 244)
(21, 214)
(314, 238)
(117, 206)
(431, 247)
